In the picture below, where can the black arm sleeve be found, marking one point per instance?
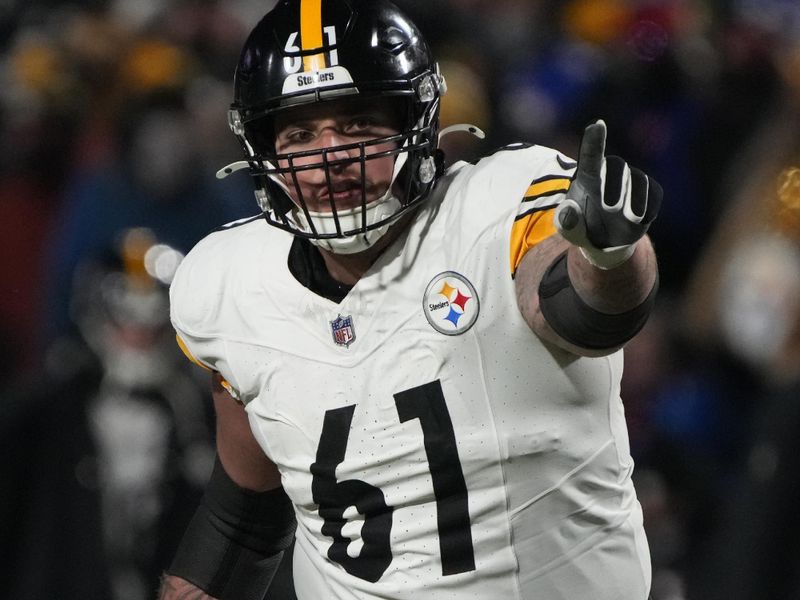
(580, 324)
(235, 541)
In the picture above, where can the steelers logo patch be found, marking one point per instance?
(451, 303)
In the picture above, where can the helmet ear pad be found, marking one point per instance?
(280, 201)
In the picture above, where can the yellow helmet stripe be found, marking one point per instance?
(311, 33)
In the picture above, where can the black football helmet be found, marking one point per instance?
(307, 51)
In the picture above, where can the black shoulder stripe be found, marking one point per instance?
(565, 164)
(515, 146)
(544, 194)
(534, 210)
(549, 178)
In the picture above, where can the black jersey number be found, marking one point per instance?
(426, 403)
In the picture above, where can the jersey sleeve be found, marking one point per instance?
(195, 303)
(514, 193)
(534, 220)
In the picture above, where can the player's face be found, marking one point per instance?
(331, 124)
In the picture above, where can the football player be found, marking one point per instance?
(416, 370)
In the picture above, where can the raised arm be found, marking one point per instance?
(591, 288)
(235, 541)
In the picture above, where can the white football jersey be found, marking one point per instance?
(432, 445)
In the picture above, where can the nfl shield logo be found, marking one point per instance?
(343, 332)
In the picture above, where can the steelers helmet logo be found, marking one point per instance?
(451, 303)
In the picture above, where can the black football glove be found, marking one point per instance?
(609, 205)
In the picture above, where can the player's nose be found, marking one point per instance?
(332, 142)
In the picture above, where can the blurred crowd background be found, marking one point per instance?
(113, 124)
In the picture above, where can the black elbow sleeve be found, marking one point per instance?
(577, 322)
(235, 541)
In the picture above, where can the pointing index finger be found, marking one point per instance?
(593, 147)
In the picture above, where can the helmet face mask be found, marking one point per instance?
(279, 71)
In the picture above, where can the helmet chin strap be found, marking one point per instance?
(382, 208)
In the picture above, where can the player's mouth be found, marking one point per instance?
(344, 197)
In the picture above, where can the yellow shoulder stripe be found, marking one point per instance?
(528, 231)
(311, 33)
(545, 187)
(189, 355)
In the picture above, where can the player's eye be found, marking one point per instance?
(299, 136)
(361, 123)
